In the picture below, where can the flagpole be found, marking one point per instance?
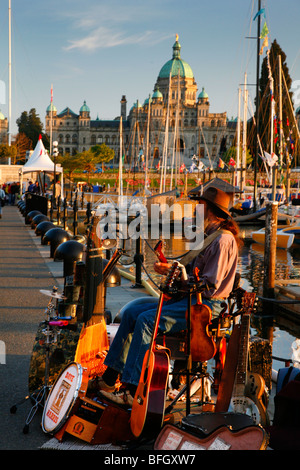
(9, 72)
(257, 107)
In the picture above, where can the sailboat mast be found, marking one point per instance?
(9, 72)
(51, 118)
(280, 112)
(244, 148)
(147, 144)
(257, 107)
(238, 161)
(120, 161)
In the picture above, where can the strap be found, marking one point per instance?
(186, 259)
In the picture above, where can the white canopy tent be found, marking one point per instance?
(40, 161)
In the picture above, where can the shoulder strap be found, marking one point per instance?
(201, 247)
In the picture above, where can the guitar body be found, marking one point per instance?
(252, 403)
(245, 405)
(202, 344)
(255, 389)
(149, 400)
(249, 387)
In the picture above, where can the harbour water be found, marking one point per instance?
(251, 268)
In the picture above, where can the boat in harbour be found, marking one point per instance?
(286, 236)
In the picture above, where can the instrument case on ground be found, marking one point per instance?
(203, 424)
(249, 438)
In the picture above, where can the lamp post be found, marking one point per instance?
(55, 154)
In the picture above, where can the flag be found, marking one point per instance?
(264, 44)
(231, 162)
(271, 159)
(200, 166)
(221, 164)
(192, 167)
(260, 12)
(51, 93)
(264, 31)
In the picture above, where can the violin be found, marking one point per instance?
(202, 344)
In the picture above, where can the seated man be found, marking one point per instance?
(217, 266)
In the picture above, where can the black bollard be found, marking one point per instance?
(75, 217)
(65, 217)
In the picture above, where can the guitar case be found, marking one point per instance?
(204, 424)
(249, 438)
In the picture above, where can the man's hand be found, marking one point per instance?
(162, 268)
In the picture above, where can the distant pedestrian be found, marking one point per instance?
(30, 186)
(2, 200)
(36, 188)
(14, 189)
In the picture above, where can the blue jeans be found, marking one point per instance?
(127, 351)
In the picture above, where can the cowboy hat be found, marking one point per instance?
(216, 198)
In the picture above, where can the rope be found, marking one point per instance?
(276, 301)
(170, 258)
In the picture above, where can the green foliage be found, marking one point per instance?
(265, 96)
(31, 125)
(103, 153)
(6, 152)
(231, 153)
(70, 163)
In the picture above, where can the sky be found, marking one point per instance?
(96, 50)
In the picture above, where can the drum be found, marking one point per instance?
(70, 386)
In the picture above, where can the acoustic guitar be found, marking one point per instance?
(249, 387)
(149, 400)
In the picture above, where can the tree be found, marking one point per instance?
(103, 153)
(22, 143)
(31, 125)
(231, 153)
(88, 160)
(265, 99)
(70, 163)
(6, 152)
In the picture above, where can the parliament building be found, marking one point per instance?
(178, 121)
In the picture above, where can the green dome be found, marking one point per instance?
(84, 108)
(203, 94)
(137, 104)
(2, 116)
(157, 94)
(176, 64)
(51, 107)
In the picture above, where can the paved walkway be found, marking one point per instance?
(25, 269)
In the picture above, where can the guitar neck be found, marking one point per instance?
(242, 363)
(170, 278)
